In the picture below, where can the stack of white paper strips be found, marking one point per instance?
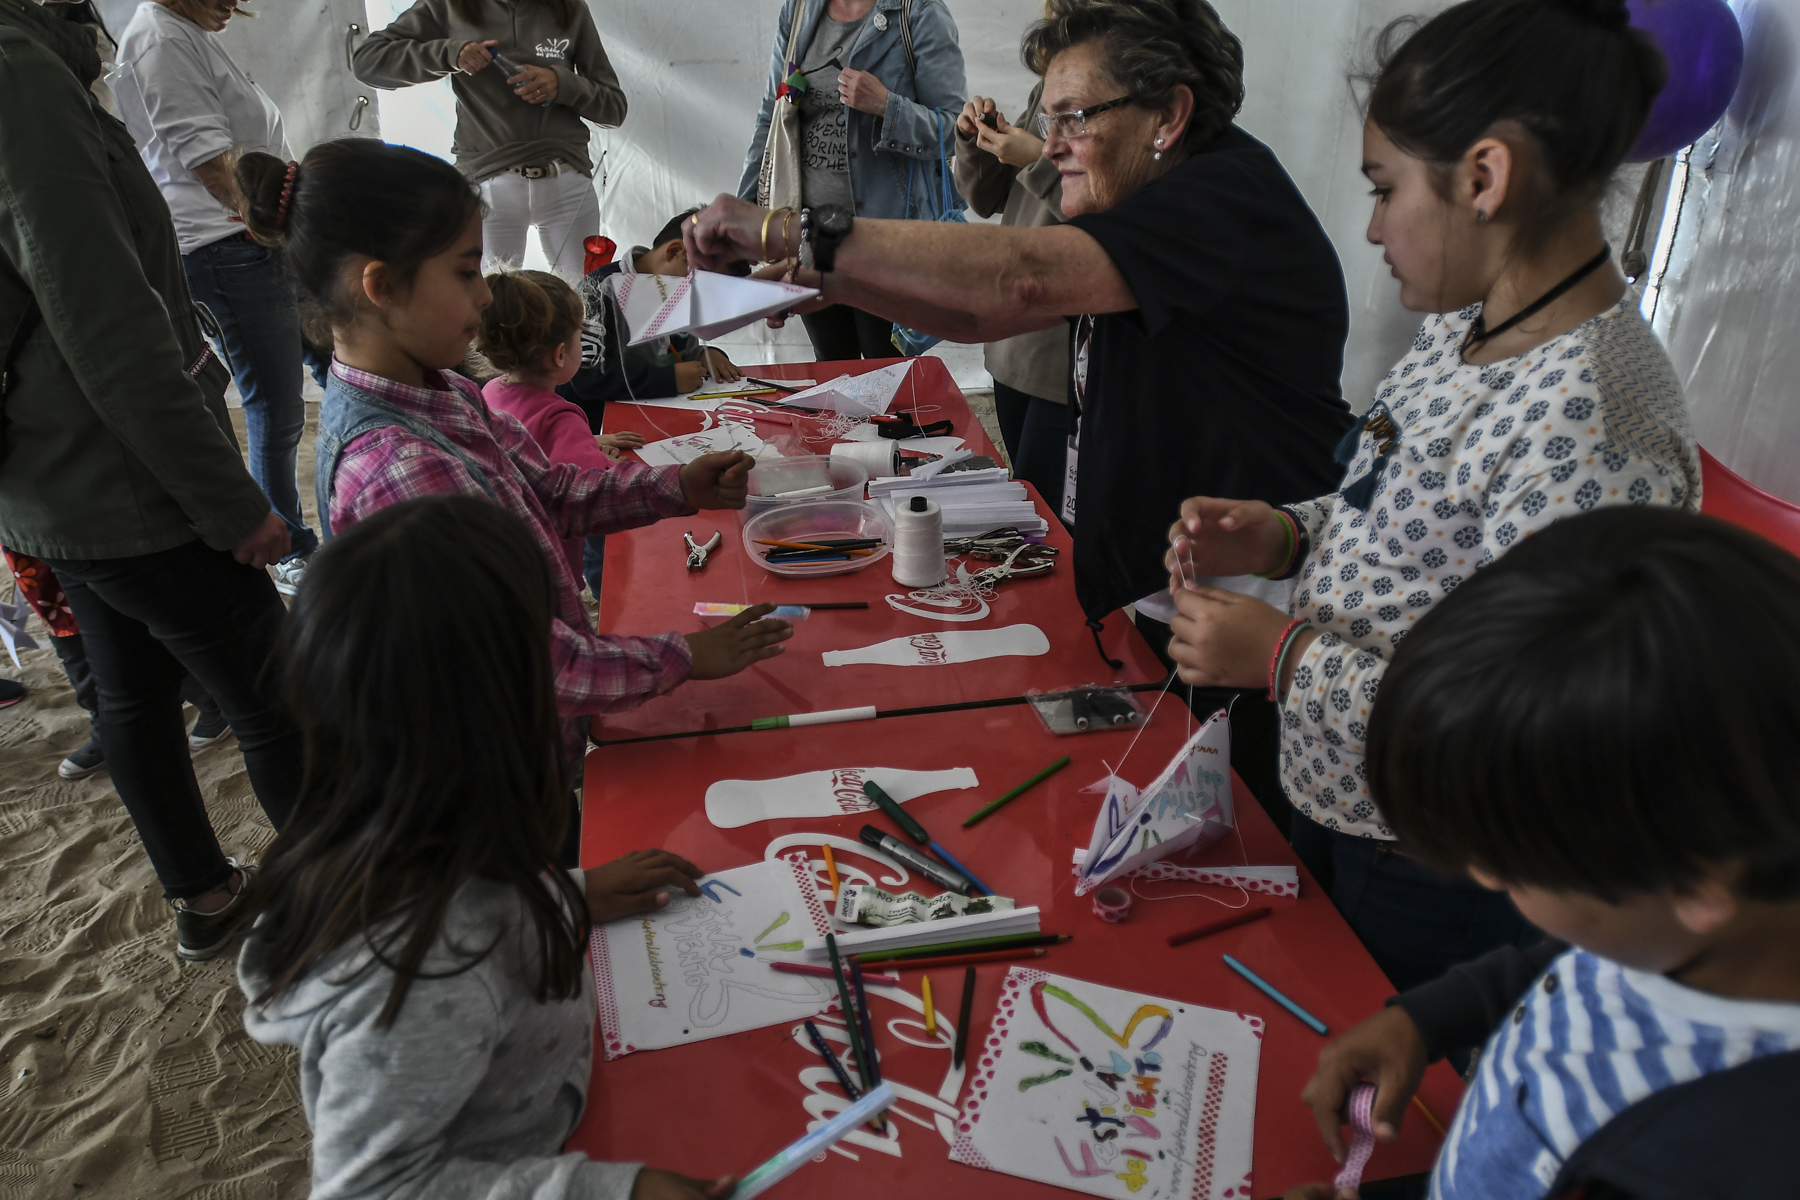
(973, 501)
(862, 940)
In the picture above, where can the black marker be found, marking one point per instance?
(933, 870)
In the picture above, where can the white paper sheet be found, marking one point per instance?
(678, 451)
(1188, 804)
(1113, 1093)
(734, 802)
(855, 395)
(704, 303)
(941, 649)
(699, 968)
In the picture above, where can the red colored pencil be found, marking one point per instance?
(1231, 922)
(962, 960)
(794, 968)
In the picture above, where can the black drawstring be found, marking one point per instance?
(1114, 663)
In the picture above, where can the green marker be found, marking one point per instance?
(831, 717)
(891, 807)
(1042, 775)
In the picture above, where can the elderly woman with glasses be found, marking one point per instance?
(1206, 305)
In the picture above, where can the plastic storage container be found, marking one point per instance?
(772, 478)
(819, 519)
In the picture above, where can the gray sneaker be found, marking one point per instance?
(209, 730)
(288, 575)
(200, 936)
(85, 761)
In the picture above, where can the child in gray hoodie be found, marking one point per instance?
(412, 940)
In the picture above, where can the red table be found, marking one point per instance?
(742, 1094)
(743, 1090)
(648, 589)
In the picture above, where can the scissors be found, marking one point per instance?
(697, 551)
(1026, 560)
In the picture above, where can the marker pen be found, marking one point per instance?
(933, 870)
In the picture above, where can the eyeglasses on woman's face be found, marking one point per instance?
(1073, 123)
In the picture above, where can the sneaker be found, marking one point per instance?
(288, 575)
(10, 693)
(209, 730)
(200, 936)
(85, 761)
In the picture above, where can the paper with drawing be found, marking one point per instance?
(1189, 804)
(837, 793)
(1113, 1093)
(698, 969)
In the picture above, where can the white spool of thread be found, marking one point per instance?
(880, 457)
(919, 543)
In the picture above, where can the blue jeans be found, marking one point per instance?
(1416, 923)
(1036, 433)
(251, 295)
(593, 558)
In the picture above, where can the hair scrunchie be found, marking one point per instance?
(287, 194)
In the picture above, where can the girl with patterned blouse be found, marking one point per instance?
(1535, 392)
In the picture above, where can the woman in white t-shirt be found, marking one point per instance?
(1536, 392)
(189, 108)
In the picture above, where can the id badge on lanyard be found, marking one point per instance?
(1078, 365)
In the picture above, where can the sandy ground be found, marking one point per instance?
(124, 1071)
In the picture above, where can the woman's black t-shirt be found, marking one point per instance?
(1224, 380)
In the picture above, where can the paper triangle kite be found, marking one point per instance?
(704, 303)
(1188, 805)
(855, 395)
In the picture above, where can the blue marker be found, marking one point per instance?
(960, 869)
(817, 1142)
(1316, 1025)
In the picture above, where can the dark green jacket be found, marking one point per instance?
(108, 448)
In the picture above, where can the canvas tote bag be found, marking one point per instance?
(778, 184)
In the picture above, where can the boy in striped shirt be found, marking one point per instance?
(1603, 725)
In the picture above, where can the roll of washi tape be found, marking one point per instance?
(1112, 904)
(1362, 1136)
(880, 457)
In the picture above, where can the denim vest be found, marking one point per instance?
(347, 413)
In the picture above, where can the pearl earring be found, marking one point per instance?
(1158, 155)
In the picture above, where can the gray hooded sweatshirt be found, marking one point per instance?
(496, 130)
(471, 1092)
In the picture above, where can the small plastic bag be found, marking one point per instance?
(1086, 709)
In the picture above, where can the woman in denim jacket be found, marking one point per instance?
(875, 129)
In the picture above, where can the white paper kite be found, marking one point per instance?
(1188, 805)
(705, 303)
(854, 395)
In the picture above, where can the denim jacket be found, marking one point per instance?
(895, 159)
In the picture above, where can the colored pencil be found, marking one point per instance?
(774, 383)
(1231, 922)
(931, 1011)
(877, 1123)
(821, 544)
(962, 1019)
(862, 1018)
(831, 869)
(896, 814)
(964, 960)
(960, 869)
(856, 1046)
(800, 968)
(1256, 981)
(1003, 941)
(1429, 1115)
(1042, 775)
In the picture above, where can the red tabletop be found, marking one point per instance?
(647, 588)
(740, 1098)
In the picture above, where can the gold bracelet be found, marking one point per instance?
(787, 242)
(764, 240)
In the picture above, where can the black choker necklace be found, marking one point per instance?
(1479, 332)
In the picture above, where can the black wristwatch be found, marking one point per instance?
(830, 226)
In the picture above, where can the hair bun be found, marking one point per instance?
(1608, 14)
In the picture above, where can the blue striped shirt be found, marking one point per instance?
(1590, 1039)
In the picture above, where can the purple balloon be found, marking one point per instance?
(1705, 51)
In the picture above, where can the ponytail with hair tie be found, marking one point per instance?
(287, 194)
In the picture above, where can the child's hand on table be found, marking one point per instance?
(728, 648)
(666, 1185)
(615, 444)
(1387, 1050)
(723, 369)
(718, 480)
(641, 881)
(688, 377)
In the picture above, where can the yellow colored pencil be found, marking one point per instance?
(930, 1009)
(831, 869)
(1429, 1115)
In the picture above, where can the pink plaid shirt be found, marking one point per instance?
(594, 673)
